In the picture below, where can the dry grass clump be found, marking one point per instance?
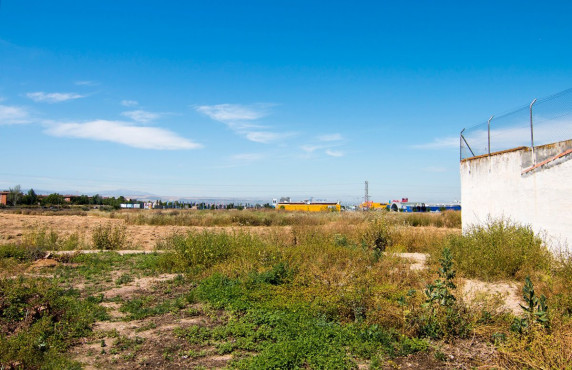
(110, 237)
(448, 219)
(271, 217)
(225, 218)
(67, 211)
(539, 349)
(49, 239)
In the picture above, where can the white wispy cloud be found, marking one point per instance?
(311, 148)
(247, 157)
(86, 83)
(233, 112)
(129, 103)
(12, 115)
(439, 143)
(123, 133)
(240, 119)
(266, 137)
(330, 137)
(141, 116)
(334, 153)
(53, 97)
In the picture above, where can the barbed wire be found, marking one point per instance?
(551, 119)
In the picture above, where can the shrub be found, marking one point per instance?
(21, 253)
(109, 237)
(377, 236)
(499, 250)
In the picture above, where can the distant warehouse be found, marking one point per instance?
(306, 206)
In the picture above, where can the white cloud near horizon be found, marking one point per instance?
(129, 103)
(334, 153)
(122, 133)
(239, 118)
(330, 137)
(141, 116)
(12, 115)
(42, 97)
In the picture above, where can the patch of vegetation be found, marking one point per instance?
(48, 239)
(288, 337)
(499, 250)
(441, 315)
(21, 253)
(196, 252)
(140, 308)
(109, 237)
(39, 321)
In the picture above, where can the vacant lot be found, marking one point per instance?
(244, 289)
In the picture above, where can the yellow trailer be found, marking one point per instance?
(373, 205)
(309, 207)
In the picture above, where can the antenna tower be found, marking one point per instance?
(366, 196)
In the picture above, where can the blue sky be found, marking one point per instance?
(264, 98)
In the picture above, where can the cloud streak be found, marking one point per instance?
(141, 116)
(240, 119)
(129, 103)
(12, 115)
(247, 157)
(330, 137)
(334, 153)
(124, 133)
(233, 112)
(86, 83)
(439, 143)
(42, 97)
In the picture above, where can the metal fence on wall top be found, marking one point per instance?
(540, 122)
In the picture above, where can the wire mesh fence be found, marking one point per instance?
(543, 121)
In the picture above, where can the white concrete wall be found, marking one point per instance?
(494, 187)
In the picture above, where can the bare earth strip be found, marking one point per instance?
(13, 227)
(148, 338)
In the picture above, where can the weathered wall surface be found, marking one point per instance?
(499, 186)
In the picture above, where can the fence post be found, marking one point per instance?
(532, 133)
(461, 145)
(489, 133)
(461, 139)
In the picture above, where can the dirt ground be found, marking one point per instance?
(14, 226)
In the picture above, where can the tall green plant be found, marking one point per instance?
(535, 309)
(440, 290)
(443, 317)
